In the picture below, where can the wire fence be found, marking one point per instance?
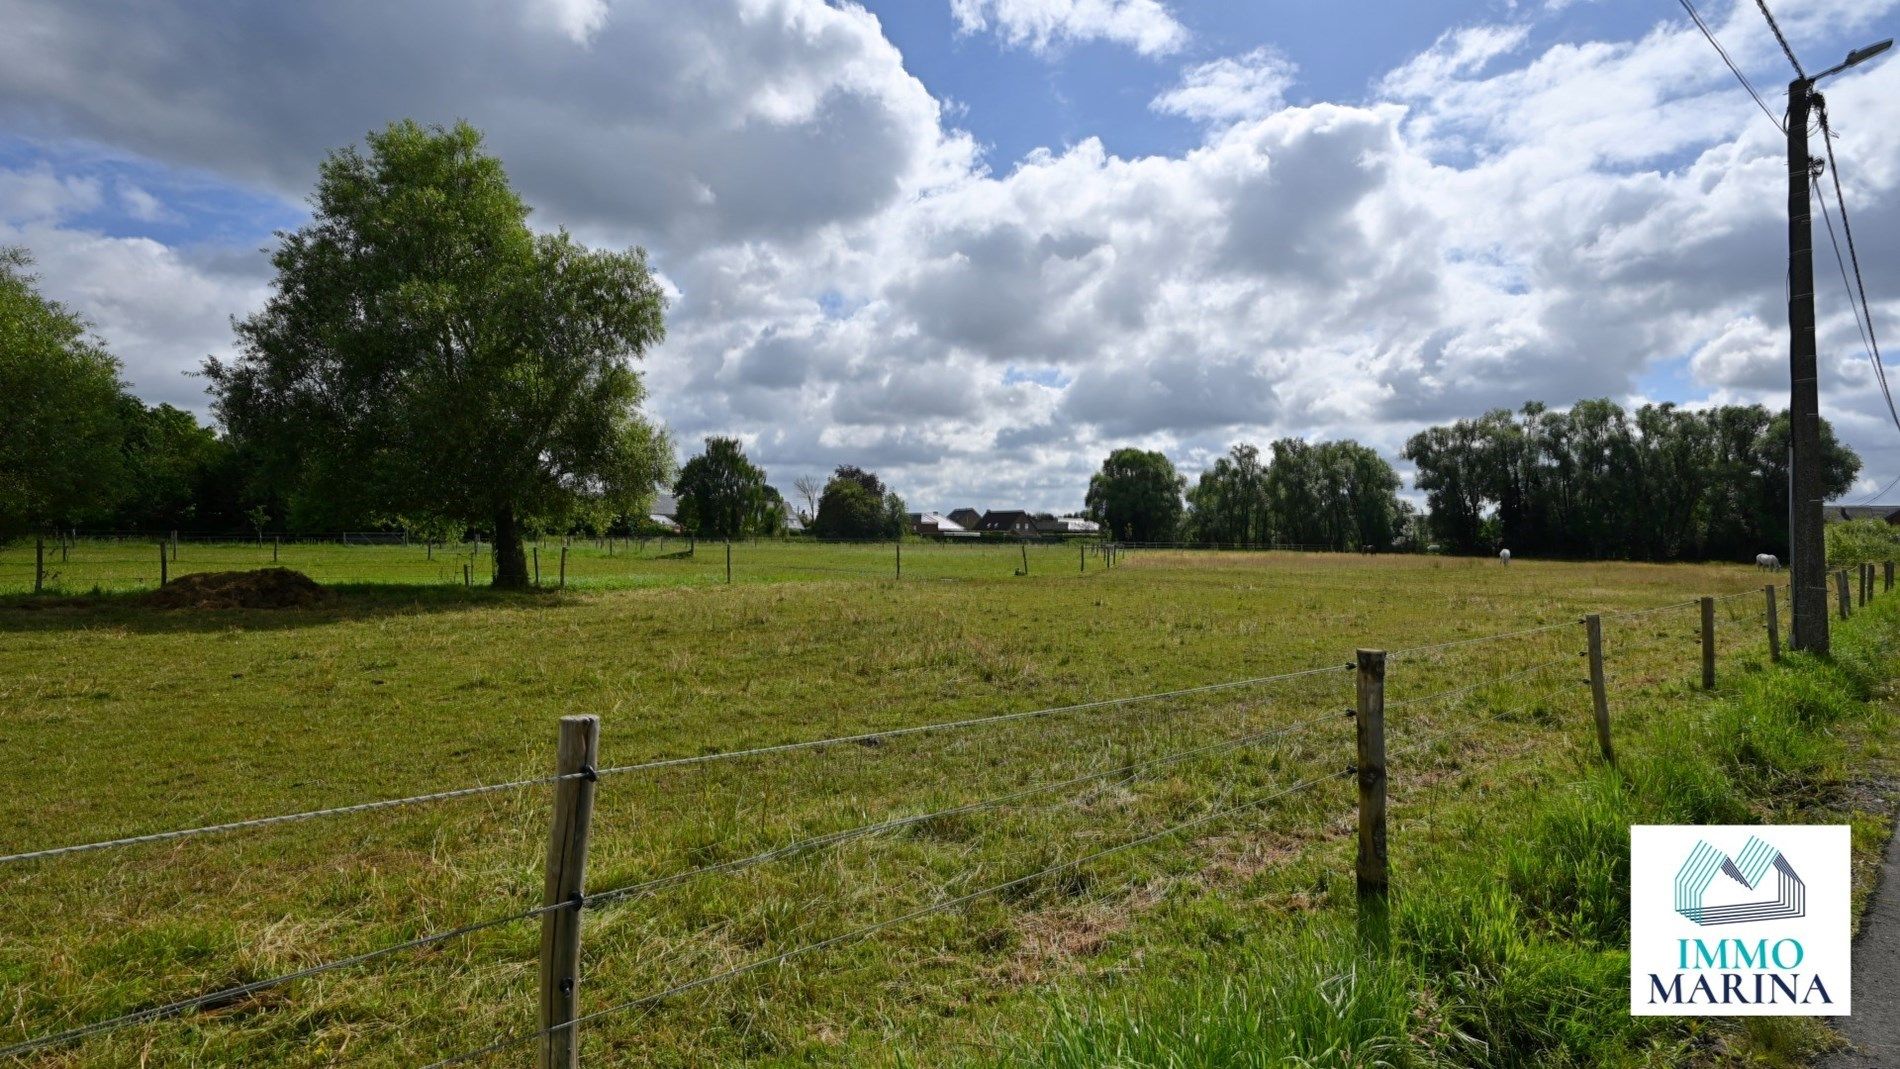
(114, 564)
(1271, 741)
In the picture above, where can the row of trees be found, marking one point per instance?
(722, 494)
(80, 450)
(1594, 482)
(1337, 495)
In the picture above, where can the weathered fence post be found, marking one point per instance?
(900, 557)
(1599, 694)
(537, 566)
(728, 562)
(1708, 643)
(1774, 626)
(1369, 716)
(468, 577)
(1840, 592)
(39, 564)
(563, 567)
(1024, 546)
(174, 545)
(1888, 585)
(164, 573)
(1862, 580)
(566, 883)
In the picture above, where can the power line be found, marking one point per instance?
(1696, 17)
(1860, 284)
(1785, 50)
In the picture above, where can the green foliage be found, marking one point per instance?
(722, 494)
(61, 404)
(1591, 482)
(1137, 496)
(1852, 542)
(172, 463)
(855, 504)
(427, 355)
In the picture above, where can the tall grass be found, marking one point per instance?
(1512, 950)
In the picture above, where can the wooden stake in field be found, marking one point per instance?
(1373, 881)
(1599, 693)
(1774, 626)
(899, 546)
(566, 883)
(1025, 548)
(1708, 643)
(164, 573)
(39, 564)
(563, 567)
(1888, 586)
(728, 562)
(1840, 593)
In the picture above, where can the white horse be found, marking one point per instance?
(1504, 555)
(1768, 562)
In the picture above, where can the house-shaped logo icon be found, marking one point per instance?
(1749, 868)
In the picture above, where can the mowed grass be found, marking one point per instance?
(116, 720)
(90, 566)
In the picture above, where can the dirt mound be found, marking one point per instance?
(266, 588)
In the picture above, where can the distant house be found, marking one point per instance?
(1010, 521)
(1068, 525)
(665, 511)
(1841, 513)
(968, 519)
(936, 524)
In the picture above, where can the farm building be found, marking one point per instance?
(1838, 513)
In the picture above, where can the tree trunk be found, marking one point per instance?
(511, 558)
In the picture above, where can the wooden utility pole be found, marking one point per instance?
(1807, 556)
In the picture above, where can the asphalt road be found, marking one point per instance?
(1874, 1028)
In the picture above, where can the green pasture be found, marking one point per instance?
(117, 720)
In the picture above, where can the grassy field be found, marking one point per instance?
(94, 566)
(116, 720)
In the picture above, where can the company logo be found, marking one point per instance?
(1705, 863)
(1761, 931)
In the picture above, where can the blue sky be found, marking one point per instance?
(974, 244)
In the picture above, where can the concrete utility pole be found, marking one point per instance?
(1807, 554)
(1807, 551)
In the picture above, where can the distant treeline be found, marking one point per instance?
(1666, 484)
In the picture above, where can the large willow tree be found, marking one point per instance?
(427, 357)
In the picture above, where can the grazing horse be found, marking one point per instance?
(1768, 562)
(1504, 555)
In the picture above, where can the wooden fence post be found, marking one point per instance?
(537, 566)
(1369, 717)
(1081, 557)
(728, 562)
(39, 564)
(1889, 577)
(1840, 592)
(900, 557)
(566, 883)
(1024, 546)
(1708, 643)
(563, 567)
(1599, 694)
(1774, 626)
(174, 545)
(164, 573)
(468, 578)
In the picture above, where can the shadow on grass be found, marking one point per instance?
(352, 601)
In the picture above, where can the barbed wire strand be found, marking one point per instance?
(957, 725)
(874, 928)
(287, 818)
(172, 1009)
(815, 842)
(1480, 685)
